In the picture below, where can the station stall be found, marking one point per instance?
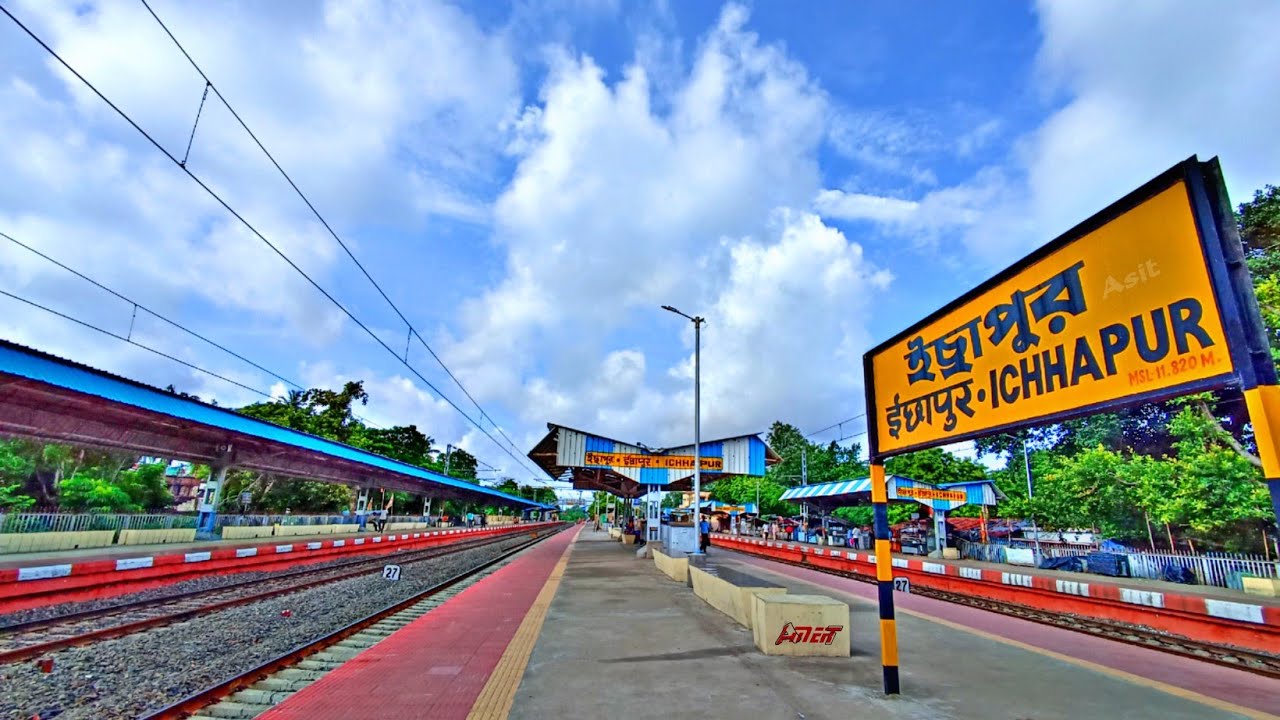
(914, 538)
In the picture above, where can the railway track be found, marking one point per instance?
(1241, 659)
(252, 692)
(25, 640)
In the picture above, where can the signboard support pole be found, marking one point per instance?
(884, 580)
(1263, 402)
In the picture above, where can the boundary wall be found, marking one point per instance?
(40, 585)
(1247, 625)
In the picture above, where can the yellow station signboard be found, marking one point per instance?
(662, 462)
(1124, 310)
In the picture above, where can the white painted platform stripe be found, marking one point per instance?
(284, 548)
(417, 535)
(1243, 612)
(246, 552)
(135, 563)
(359, 541)
(935, 568)
(1142, 597)
(197, 556)
(1072, 587)
(1015, 579)
(971, 573)
(871, 559)
(378, 539)
(836, 553)
(314, 545)
(44, 572)
(404, 537)
(900, 563)
(339, 543)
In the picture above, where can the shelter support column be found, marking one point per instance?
(362, 507)
(884, 580)
(211, 495)
(940, 529)
(1263, 402)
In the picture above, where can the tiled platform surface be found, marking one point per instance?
(438, 665)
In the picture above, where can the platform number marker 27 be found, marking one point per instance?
(900, 584)
(391, 572)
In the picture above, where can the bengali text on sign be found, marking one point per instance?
(924, 493)
(1125, 309)
(662, 462)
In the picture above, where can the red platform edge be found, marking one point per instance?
(40, 585)
(1245, 625)
(436, 666)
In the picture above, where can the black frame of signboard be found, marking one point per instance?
(1232, 294)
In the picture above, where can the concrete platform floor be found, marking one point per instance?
(621, 640)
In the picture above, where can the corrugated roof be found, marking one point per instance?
(29, 363)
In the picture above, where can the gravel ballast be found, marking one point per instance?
(203, 582)
(125, 677)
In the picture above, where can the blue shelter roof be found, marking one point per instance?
(55, 399)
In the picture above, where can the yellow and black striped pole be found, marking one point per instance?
(884, 580)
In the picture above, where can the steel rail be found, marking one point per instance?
(194, 702)
(87, 637)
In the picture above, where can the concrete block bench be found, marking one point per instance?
(673, 564)
(800, 625)
(730, 591)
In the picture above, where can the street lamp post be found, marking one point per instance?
(697, 423)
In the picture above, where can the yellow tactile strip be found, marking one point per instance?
(495, 700)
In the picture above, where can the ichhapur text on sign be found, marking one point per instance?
(1126, 309)
(662, 462)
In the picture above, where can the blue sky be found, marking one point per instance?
(530, 181)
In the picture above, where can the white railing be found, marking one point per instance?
(1218, 569)
(79, 522)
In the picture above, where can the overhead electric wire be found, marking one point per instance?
(133, 342)
(218, 198)
(151, 312)
(209, 85)
(836, 424)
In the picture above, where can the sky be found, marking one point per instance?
(529, 182)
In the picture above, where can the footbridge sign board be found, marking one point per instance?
(1146, 300)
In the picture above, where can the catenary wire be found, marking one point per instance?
(209, 85)
(218, 198)
(135, 343)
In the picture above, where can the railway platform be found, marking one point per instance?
(77, 575)
(579, 627)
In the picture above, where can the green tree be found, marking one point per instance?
(84, 491)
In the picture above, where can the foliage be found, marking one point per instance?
(87, 492)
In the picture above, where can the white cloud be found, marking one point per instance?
(843, 205)
(627, 196)
(1137, 88)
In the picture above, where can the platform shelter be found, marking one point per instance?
(940, 499)
(633, 471)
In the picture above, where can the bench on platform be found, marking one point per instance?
(730, 591)
(800, 625)
(673, 563)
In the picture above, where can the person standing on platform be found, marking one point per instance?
(704, 531)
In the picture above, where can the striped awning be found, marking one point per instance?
(825, 490)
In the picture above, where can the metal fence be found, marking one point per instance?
(78, 522)
(229, 520)
(1218, 569)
